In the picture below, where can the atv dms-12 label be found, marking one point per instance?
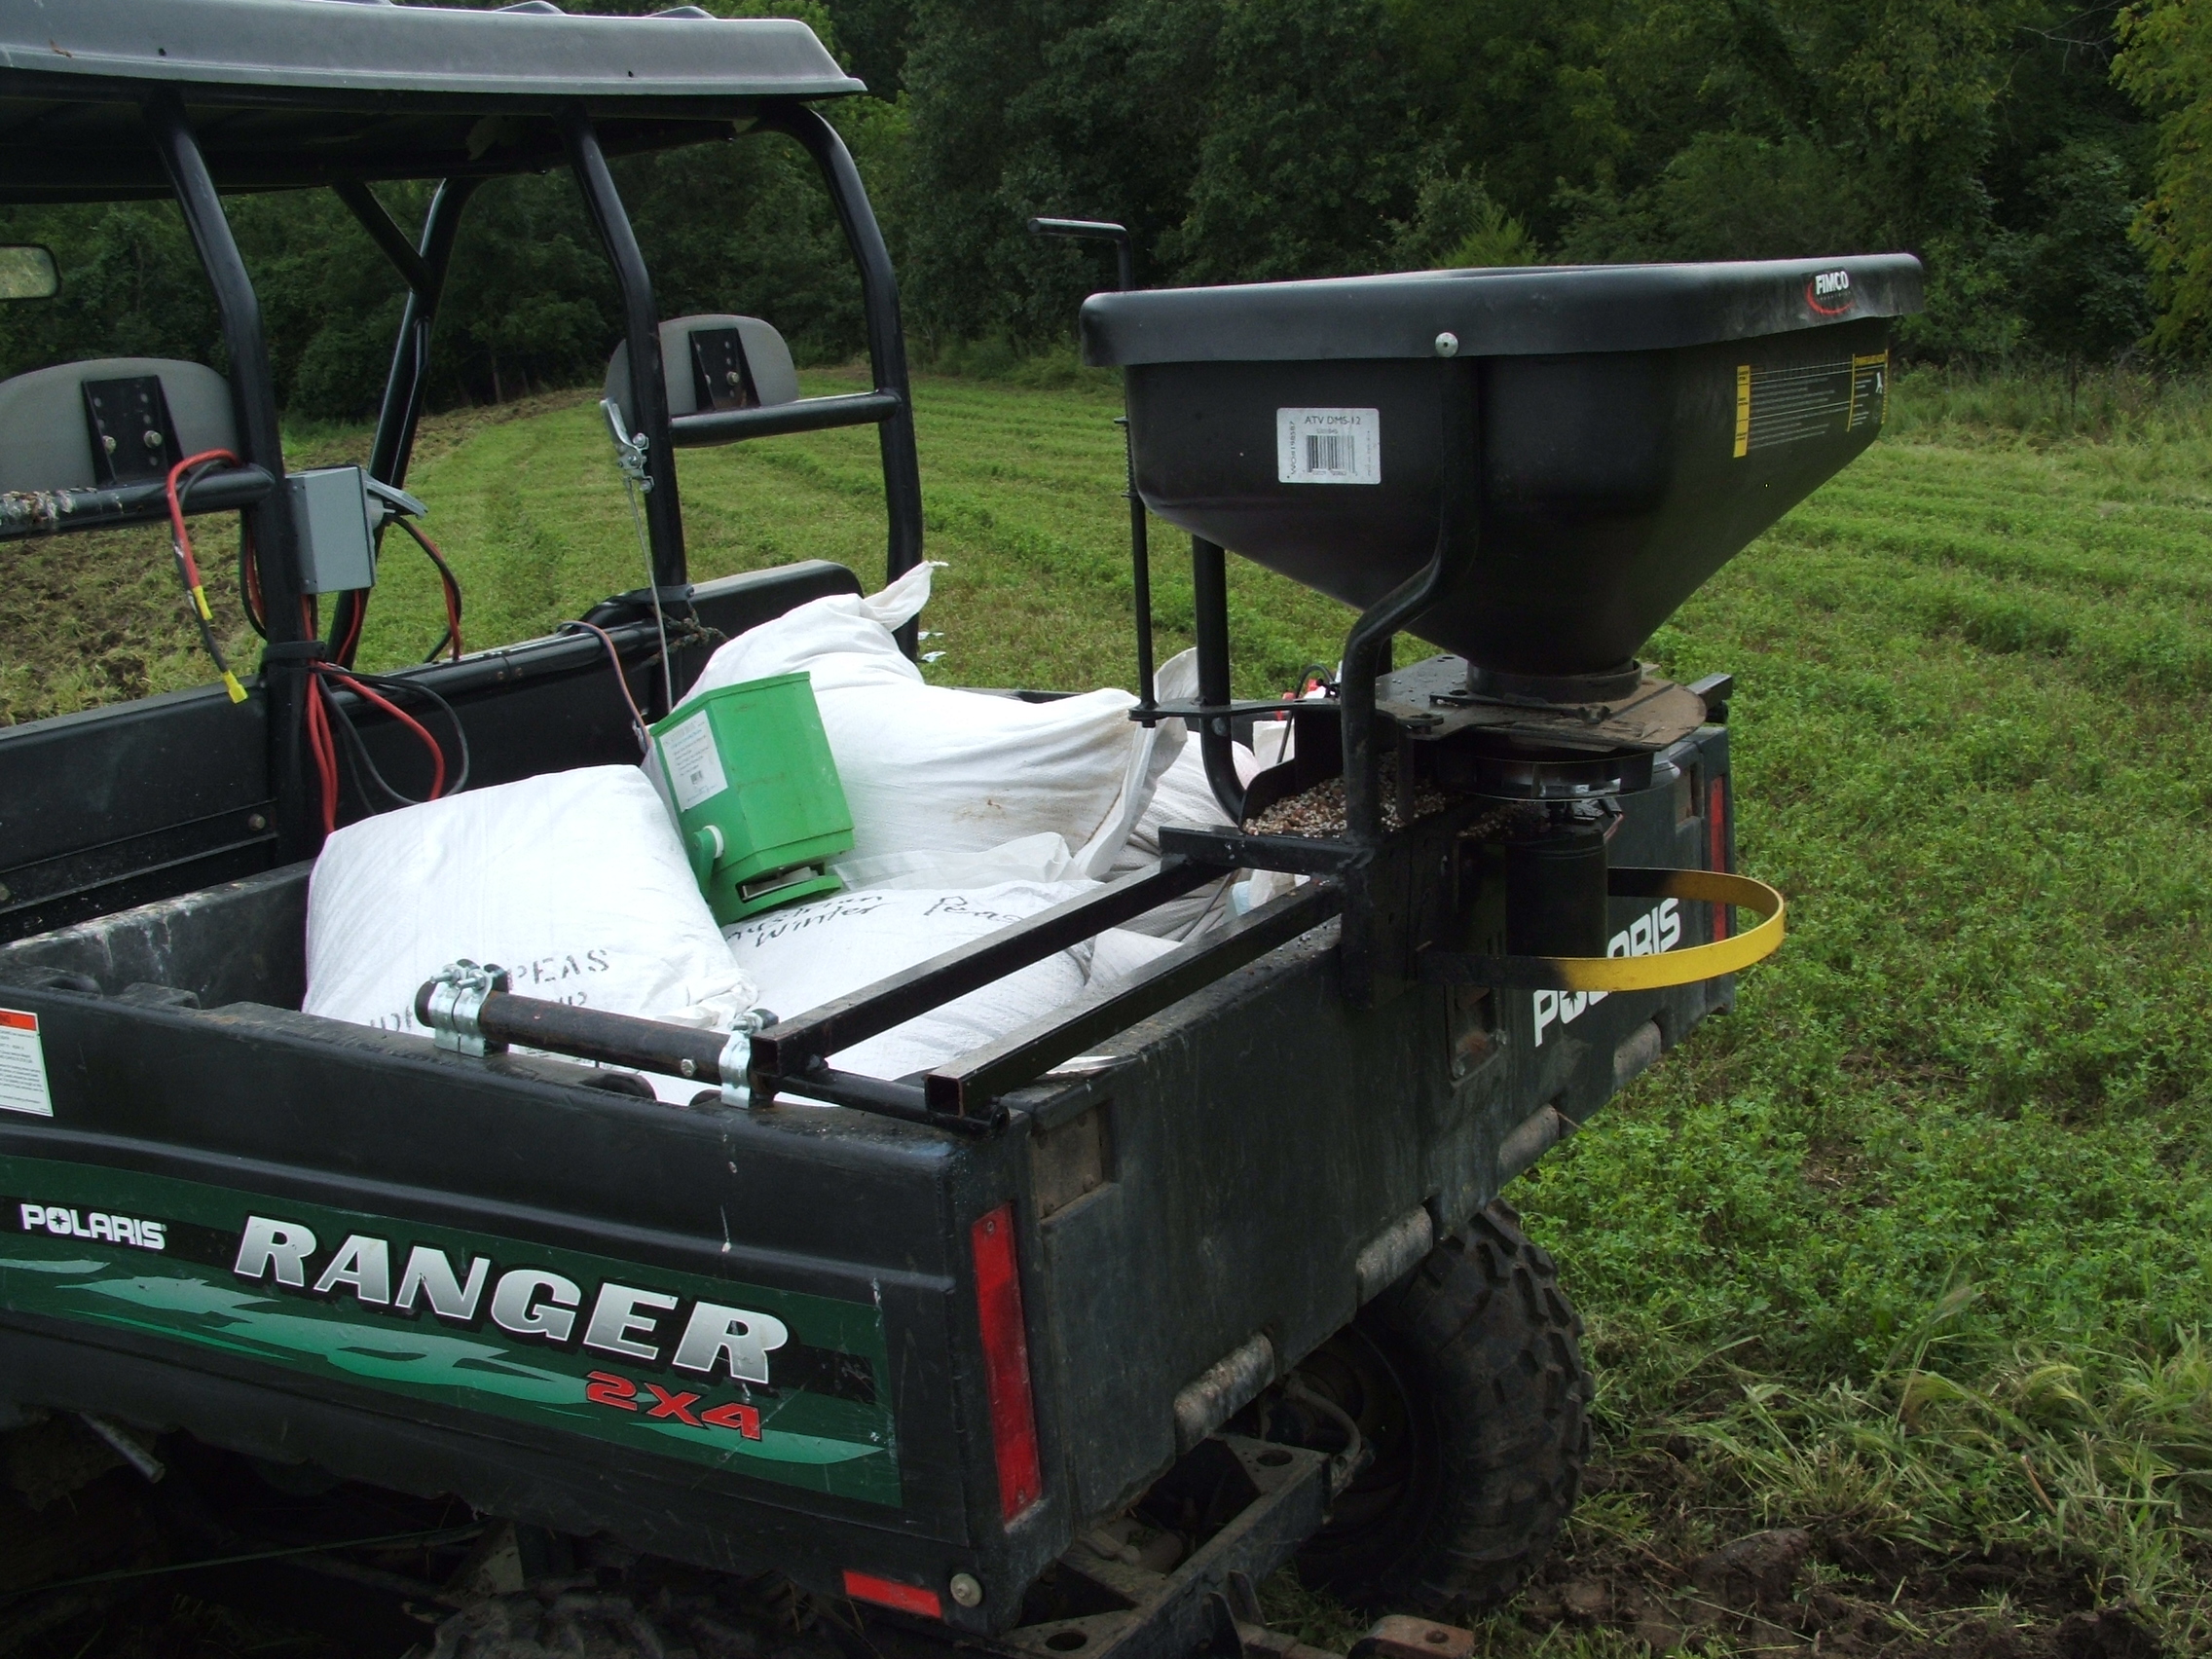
(767, 1382)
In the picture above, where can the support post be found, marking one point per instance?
(886, 338)
(253, 408)
(640, 330)
(404, 386)
(1458, 535)
(1210, 599)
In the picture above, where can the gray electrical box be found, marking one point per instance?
(336, 521)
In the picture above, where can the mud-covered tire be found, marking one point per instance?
(1467, 1380)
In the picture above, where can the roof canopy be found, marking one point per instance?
(298, 92)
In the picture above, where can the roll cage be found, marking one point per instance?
(122, 99)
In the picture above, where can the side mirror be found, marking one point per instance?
(27, 272)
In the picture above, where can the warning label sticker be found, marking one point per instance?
(1809, 400)
(1328, 446)
(22, 1066)
(694, 764)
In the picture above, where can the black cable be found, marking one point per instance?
(395, 684)
(245, 579)
(452, 594)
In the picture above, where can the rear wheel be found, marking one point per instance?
(1466, 1382)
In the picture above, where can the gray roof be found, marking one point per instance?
(302, 91)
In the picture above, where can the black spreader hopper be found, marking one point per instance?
(1531, 467)
(1631, 428)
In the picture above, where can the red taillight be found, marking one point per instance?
(1716, 836)
(890, 1593)
(1006, 1362)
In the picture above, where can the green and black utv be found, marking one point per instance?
(1055, 1347)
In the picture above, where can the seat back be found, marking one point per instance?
(710, 363)
(93, 424)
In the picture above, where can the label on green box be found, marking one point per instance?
(694, 761)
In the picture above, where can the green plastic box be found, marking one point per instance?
(757, 795)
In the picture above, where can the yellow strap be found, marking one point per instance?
(1699, 961)
(1652, 972)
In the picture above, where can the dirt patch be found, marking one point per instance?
(1807, 1591)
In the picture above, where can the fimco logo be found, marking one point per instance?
(1830, 293)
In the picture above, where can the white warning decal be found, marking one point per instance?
(22, 1066)
(1328, 446)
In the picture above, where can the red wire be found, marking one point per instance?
(437, 755)
(319, 745)
(176, 508)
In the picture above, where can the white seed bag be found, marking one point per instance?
(575, 882)
(929, 769)
(814, 953)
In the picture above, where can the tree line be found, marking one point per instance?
(2050, 163)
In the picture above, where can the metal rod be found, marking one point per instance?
(886, 339)
(49, 512)
(768, 419)
(1140, 579)
(609, 1039)
(253, 403)
(1140, 544)
(782, 1054)
(640, 330)
(405, 385)
(361, 201)
(1457, 540)
(980, 1079)
(1209, 600)
(501, 1019)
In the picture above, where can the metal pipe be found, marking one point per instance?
(886, 339)
(1459, 537)
(967, 1087)
(1210, 599)
(1140, 580)
(640, 330)
(49, 512)
(253, 405)
(768, 419)
(1140, 543)
(361, 201)
(784, 1052)
(404, 386)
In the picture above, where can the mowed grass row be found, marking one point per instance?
(1912, 1249)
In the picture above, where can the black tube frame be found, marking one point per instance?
(1459, 537)
(424, 270)
(253, 405)
(640, 331)
(886, 337)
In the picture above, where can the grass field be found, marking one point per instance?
(1912, 1251)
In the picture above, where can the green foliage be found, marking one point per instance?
(1520, 94)
(1457, 224)
(2166, 61)
(1310, 149)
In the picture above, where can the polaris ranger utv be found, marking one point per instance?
(1208, 1266)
